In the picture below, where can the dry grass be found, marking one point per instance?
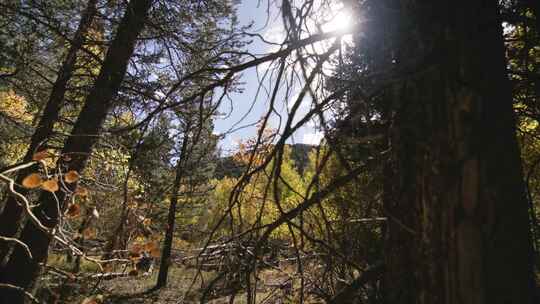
(272, 287)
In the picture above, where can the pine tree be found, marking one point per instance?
(193, 171)
(11, 214)
(21, 270)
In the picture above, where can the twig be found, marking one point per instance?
(10, 239)
(26, 293)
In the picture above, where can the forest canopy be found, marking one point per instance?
(269, 151)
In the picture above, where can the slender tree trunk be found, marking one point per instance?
(117, 236)
(12, 213)
(21, 270)
(86, 222)
(171, 217)
(458, 228)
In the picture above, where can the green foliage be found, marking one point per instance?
(523, 55)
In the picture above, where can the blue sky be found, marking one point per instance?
(248, 105)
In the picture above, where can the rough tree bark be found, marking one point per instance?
(20, 269)
(458, 227)
(12, 213)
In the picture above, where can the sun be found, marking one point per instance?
(339, 21)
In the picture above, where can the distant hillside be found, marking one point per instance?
(226, 166)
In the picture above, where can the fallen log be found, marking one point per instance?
(108, 275)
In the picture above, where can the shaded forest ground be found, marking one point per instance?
(277, 285)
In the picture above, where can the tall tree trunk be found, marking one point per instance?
(21, 270)
(118, 235)
(458, 228)
(171, 216)
(79, 240)
(12, 212)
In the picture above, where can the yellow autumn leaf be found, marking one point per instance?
(50, 185)
(32, 181)
(71, 176)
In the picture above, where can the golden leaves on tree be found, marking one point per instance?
(256, 150)
(34, 180)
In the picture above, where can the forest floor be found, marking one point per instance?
(274, 287)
